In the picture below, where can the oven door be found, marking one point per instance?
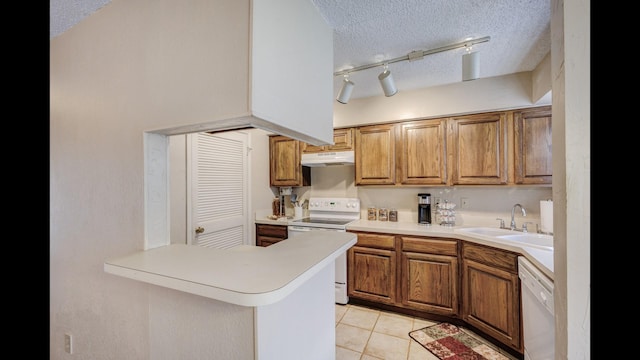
(341, 261)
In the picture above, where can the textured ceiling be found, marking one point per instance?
(370, 31)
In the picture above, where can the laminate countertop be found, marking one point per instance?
(243, 275)
(541, 258)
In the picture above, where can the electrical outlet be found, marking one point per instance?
(68, 347)
(464, 203)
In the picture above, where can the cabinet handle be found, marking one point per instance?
(199, 230)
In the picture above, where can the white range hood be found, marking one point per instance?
(332, 158)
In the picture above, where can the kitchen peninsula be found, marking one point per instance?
(290, 286)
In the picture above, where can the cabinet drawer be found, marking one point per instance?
(376, 241)
(430, 245)
(266, 241)
(491, 256)
(276, 231)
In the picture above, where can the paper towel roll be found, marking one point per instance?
(546, 216)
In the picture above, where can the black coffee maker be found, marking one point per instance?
(424, 209)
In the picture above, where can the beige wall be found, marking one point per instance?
(130, 67)
(570, 64)
(486, 94)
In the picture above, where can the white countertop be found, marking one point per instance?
(541, 258)
(244, 275)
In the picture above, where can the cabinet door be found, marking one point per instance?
(422, 153)
(375, 155)
(491, 292)
(429, 282)
(342, 141)
(532, 146)
(429, 274)
(285, 167)
(372, 274)
(491, 301)
(478, 151)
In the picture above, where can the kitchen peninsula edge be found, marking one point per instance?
(243, 275)
(289, 286)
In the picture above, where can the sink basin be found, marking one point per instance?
(486, 231)
(530, 239)
(541, 241)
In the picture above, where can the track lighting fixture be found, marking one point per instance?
(387, 83)
(470, 67)
(345, 91)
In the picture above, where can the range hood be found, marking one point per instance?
(331, 158)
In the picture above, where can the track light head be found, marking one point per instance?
(470, 65)
(345, 91)
(387, 83)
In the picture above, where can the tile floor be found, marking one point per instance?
(364, 333)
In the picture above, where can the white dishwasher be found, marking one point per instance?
(537, 312)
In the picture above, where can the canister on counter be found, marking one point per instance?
(372, 213)
(393, 215)
(383, 214)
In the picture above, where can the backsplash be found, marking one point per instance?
(483, 204)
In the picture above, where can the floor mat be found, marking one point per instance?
(447, 341)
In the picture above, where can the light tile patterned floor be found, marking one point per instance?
(364, 333)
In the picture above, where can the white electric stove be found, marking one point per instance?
(330, 214)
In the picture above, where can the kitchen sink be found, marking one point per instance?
(510, 236)
(530, 239)
(486, 231)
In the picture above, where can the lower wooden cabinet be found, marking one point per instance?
(269, 234)
(491, 293)
(429, 275)
(371, 268)
(444, 277)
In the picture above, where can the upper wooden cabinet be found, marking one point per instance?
(375, 155)
(342, 141)
(532, 146)
(421, 153)
(285, 167)
(478, 151)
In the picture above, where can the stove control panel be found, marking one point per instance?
(335, 204)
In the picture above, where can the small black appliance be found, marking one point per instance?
(424, 209)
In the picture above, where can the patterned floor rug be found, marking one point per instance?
(449, 342)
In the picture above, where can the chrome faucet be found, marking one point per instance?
(513, 209)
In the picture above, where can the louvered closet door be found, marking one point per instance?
(217, 178)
